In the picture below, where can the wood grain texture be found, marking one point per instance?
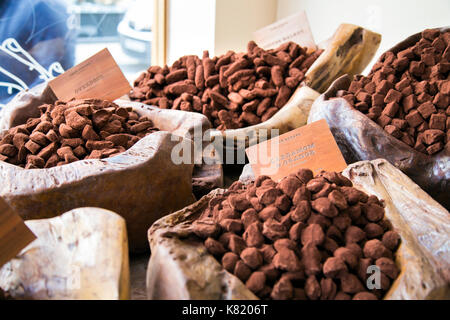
(82, 254)
(311, 146)
(349, 52)
(159, 32)
(180, 267)
(14, 234)
(97, 77)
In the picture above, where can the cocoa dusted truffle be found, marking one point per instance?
(305, 237)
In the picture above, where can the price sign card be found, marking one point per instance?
(14, 234)
(97, 77)
(294, 28)
(311, 147)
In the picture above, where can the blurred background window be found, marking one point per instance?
(122, 26)
(50, 36)
(58, 34)
(36, 43)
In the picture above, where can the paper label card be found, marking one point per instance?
(310, 147)
(294, 28)
(14, 234)
(97, 77)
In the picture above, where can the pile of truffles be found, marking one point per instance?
(302, 238)
(68, 132)
(234, 90)
(408, 93)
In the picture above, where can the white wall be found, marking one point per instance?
(214, 25)
(394, 19)
(190, 27)
(222, 25)
(236, 20)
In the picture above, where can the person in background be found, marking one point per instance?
(41, 28)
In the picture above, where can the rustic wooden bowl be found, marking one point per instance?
(205, 177)
(136, 184)
(348, 52)
(81, 254)
(183, 269)
(360, 138)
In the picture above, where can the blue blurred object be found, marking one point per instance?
(42, 29)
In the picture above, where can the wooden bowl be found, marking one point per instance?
(136, 184)
(81, 254)
(183, 269)
(360, 138)
(348, 52)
